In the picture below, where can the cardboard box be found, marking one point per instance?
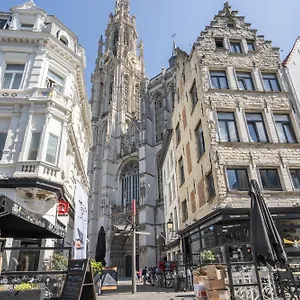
(199, 279)
(218, 295)
(201, 298)
(200, 290)
(214, 272)
(215, 284)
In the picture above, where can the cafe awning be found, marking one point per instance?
(17, 222)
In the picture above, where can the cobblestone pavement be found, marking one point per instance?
(144, 293)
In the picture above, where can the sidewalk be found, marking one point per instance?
(147, 292)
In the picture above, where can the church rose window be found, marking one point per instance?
(130, 182)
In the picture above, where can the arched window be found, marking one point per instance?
(159, 116)
(126, 91)
(64, 40)
(130, 182)
(115, 42)
(137, 97)
(126, 37)
(111, 91)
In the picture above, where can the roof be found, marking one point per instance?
(287, 59)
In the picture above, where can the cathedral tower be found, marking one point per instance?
(114, 164)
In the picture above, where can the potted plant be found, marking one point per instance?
(23, 291)
(208, 255)
(97, 272)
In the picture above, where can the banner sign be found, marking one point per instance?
(80, 222)
(109, 279)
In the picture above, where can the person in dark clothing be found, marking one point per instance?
(144, 275)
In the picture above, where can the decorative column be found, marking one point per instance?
(27, 135)
(44, 141)
(63, 145)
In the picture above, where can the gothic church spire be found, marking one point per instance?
(122, 5)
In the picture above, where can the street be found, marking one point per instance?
(145, 293)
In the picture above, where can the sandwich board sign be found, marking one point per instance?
(79, 284)
(109, 279)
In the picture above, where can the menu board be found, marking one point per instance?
(79, 282)
(109, 278)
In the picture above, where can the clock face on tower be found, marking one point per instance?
(134, 61)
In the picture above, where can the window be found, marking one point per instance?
(256, 128)
(218, 80)
(13, 76)
(130, 183)
(27, 26)
(210, 186)
(54, 81)
(238, 179)
(181, 170)
(185, 214)
(235, 47)
(270, 179)
(284, 129)
(295, 174)
(178, 135)
(271, 83)
(227, 127)
(3, 136)
(250, 46)
(64, 40)
(200, 140)
(219, 43)
(245, 81)
(193, 93)
(34, 146)
(52, 149)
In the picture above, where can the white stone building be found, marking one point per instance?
(45, 128)
(171, 202)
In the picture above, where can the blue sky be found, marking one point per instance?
(157, 20)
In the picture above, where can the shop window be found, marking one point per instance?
(238, 179)
(52, 149)
(284, 128)
(227, 127)
(256, 127)
(200, 140)
(210, 186)
(270, 179)
(208, 237)
(3, 136)
(271, 83)
(178, 134)
(235, 47)
(295, 175)
(250, 46)
(184, 210)
(218, 80)
(245, 81)
(34, 146)
(181, 170)
(13, 76)
(193, 94)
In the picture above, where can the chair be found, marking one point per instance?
(288, 285)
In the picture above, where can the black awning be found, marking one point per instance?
(17, 222)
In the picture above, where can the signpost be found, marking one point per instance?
(133, 246)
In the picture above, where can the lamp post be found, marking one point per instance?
(170, 225)
(133, 246)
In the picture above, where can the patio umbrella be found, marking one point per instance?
(101, 247)
(266, 241)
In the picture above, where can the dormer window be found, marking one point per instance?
(64, 40)
(54, 81)
(27, 26)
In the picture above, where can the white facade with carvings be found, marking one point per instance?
(45, 129)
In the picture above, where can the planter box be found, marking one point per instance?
(22, 295)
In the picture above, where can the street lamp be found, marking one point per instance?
(170, 225)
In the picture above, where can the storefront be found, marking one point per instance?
(204, 241)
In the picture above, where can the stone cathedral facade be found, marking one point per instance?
(129, 116)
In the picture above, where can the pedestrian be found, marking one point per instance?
(139, 275)
(144, 275)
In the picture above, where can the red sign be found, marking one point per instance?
(62, 208)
